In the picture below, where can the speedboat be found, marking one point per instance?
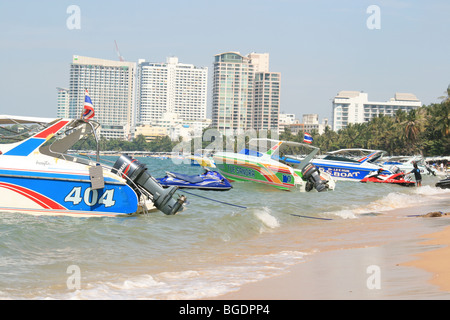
(399, 178)
(209, 180)
(350, 164)
(406, 164)
(39, 176)
(444, 183)
(270, 166)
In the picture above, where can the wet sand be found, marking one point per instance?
(436, 260)
(416, 266)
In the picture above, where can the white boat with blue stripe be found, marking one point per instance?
(350, 164)
(38, 176)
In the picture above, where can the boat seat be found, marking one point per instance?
(185, 177)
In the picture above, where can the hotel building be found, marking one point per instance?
(266, 101)
(245, 94)
(355, 107)
(170, 87)
(111, 86)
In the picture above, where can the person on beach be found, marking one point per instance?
(417, 175)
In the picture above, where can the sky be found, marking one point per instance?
(320, 47)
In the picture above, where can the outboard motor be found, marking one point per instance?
(312, 175)
(137, 172)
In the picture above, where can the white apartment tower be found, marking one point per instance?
(355, 107)
(245, 94)
(170, 87)
(266, 101)
(111, 86)
(62, 106)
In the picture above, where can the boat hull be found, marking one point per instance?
(444, 183)
(342, 172)
(57, 195)
(397, 179)
(265, 173)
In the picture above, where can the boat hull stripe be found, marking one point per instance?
(43, 201)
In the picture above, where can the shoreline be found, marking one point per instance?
(414, 268)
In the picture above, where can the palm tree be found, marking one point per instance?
(413, 126)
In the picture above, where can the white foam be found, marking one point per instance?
(267, 219)
(188, 284)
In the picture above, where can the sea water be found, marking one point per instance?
(209, 249)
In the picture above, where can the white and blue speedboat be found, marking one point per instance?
(350, 164)
(406, 164)
(38, 176)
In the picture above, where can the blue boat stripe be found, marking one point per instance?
(47, 175)
(26, 147)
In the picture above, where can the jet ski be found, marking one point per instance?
(209, 180)
(444, 183)
(399, 178)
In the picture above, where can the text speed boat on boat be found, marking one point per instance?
(37, 176)
(271, 167)
(398, 178)
(350, 164)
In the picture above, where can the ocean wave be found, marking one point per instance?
(268, 220)
(393, 200)
(186, 284)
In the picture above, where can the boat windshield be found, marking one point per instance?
(76, 133)
(355, 155)
(338, 158)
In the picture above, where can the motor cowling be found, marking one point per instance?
(312, 176)
(138, 174)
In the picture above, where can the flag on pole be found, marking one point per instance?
(307, 138)
(88, 111)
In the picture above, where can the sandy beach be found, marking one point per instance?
(412, 267)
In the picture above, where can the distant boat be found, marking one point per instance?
(271, 167)
(406, 164)
(350, 164)
(444, 183)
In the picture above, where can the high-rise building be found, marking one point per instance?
(111, 86)
(266, 101)
(232, 92)
(171, 87)
(355, 107)
(245, 94)
(62, 106)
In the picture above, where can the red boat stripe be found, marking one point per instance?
(53, 129)
(38, 198)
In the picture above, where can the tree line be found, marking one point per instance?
(421, 131)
